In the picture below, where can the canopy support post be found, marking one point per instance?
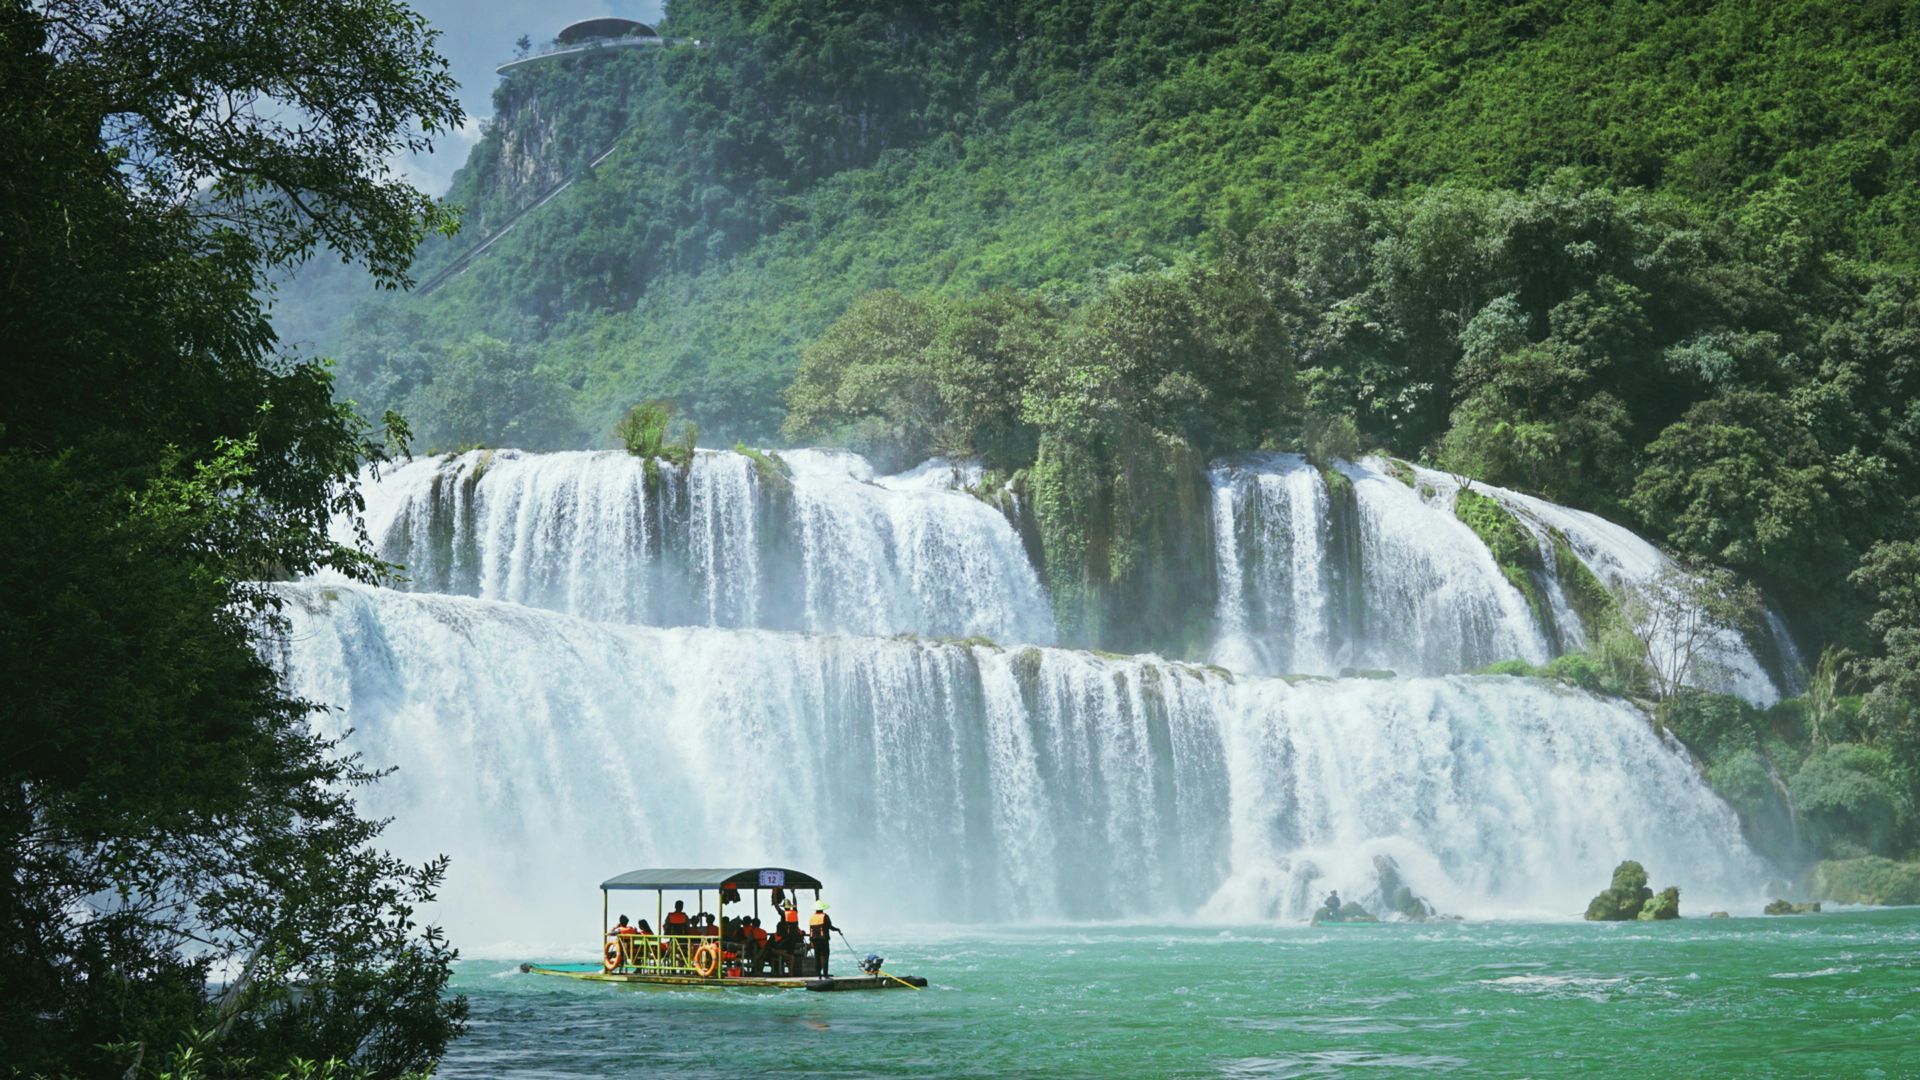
(603, 920)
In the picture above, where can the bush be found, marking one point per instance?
(1867, 880)
(1851, 802)
(1576, 668)
(648, 431)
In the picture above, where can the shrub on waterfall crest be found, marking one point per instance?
(654, 429)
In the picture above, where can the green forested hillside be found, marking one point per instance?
(806, 152)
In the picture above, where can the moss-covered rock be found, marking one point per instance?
(1623, 900)
(1788, 907)
(1513, 548)
(1401, 471)
(1867, 880)
(1663, 905)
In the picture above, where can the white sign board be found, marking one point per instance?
(773, 879)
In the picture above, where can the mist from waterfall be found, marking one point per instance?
(946, 782)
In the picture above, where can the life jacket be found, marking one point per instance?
(627, 930)
(818, 926)
(710, 931)
(676, 920)
(791, 915)
(759, 935)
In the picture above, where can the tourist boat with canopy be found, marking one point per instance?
(690, 957)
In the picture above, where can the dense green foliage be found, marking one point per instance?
(809, 152)
(184, 866)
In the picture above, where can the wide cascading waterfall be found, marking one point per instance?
(937, 782)
(1418, 593)
(829, 548)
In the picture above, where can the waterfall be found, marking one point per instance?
(1429, 598)
(832, 548)
(1623, 560)
(931, 781)
(1421, 594)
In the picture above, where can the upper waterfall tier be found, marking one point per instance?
(937, 782)
(1372, 570)
(1376, 571)
(1382, 579)
(827, 549)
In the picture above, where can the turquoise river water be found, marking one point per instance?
(1832, 995)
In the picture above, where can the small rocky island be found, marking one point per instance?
(1629, 898)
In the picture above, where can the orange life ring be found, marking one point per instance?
(706, 961)
(613, 954)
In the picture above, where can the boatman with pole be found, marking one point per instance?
(820, 928)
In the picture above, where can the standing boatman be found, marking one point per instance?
(820, 929)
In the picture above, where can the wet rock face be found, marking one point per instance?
(1626, 896)
(1399, 896)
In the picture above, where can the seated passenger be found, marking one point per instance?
(756, 940)
(676, 922)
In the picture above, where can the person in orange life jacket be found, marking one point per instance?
(820, 929)
(786, 948)
(623, 928)
(676, 922)
(756, 945)
(709, 929)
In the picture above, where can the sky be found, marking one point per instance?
(477, 35)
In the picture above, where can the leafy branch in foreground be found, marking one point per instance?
(180, 844)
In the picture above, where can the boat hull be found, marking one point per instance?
(744, 982)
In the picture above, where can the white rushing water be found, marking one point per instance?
(836, 549)
(1402, 584)
(943, 782)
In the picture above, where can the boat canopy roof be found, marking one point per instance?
(746, 877)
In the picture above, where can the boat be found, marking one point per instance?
(701, 960)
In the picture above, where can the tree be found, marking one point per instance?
(169, 822)
(868, 382)
(1683, 617)
(488, 391)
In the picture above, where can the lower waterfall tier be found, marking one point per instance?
(936, 782)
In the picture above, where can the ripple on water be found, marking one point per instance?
(1337, 1063)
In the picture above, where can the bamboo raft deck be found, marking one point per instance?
(593, 973)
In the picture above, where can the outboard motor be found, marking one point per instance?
(871, 965)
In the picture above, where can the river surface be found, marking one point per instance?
(1832, 995)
